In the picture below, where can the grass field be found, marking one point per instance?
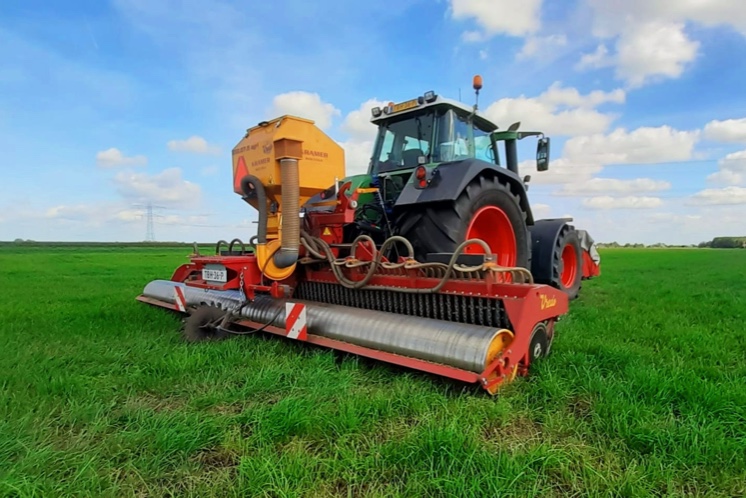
(644, 393)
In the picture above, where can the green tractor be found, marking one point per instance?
(441, 173)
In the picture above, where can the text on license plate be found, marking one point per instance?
(215, 275)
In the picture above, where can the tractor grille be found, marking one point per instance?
(453, 308)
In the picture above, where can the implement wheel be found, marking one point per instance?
(486, 209)
(201, 325)
(538, 345)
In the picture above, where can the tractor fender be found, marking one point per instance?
(544, 235)
(448, 180)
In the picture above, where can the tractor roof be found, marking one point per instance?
(416, 106)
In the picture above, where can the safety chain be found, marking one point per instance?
(240, 287)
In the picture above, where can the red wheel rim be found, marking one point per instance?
(493, 226)
(569, 266)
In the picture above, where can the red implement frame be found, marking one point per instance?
(526, 306)
(590, 268)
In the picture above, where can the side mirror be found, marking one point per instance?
(542, 154)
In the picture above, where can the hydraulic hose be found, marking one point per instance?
(251, 186)
(290, 238)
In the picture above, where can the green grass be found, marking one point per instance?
(644, 394)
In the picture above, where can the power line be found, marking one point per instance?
(149, 222)
(150, 231)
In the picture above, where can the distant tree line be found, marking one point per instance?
(717, 243)
(640, 245)
(725, 243)
(34, 243)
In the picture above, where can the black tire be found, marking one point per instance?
(196, 327)
(549, 345)
(568, 236)
(538, 345)
(441, 227)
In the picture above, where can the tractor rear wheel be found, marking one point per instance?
(486, 209)
(567, 270)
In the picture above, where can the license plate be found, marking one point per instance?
(215, 275)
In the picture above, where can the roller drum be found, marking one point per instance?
(460, 345)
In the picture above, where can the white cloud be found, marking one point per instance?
(585, 156)
(642, 145)
(473, 37)
(730, 130)
(304, 105)
(357, 123)
(595, 60)
(631, 202)
(92, 214)
(113, 157)
(720, 196)
(75, 212)
(558, 111)
(194, 144)
(541, 46)
(499, 16)
(653, 50)
(613, 186)
(651, 41)
(211, 170)
(732, 169)
(540, 210)
(672, 218)
(610, 14)
(166, 187)
(561, 171)
(357, 156)
(674, 223)
(558, 95)
(362, 133)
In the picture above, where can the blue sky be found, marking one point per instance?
(108, 105)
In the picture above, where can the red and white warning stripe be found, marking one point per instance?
(180, 300)
(295, 321)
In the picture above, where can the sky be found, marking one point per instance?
(108, 106)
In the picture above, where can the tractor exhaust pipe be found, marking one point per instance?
(290, 237)
(511, 155)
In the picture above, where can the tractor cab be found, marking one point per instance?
(431, 130)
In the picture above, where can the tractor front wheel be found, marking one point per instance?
(486, 210)
(568, 263)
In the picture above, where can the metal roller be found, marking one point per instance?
(460, 345)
